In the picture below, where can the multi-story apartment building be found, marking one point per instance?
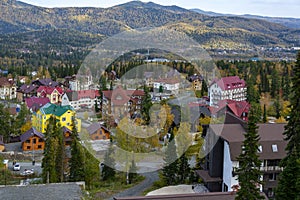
(8, 89)
(223, 144)
(120, 102)
(231, 87)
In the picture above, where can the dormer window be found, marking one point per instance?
(274, 148)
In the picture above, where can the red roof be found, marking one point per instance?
(119, 96)
(49, 90)
(36, 101)
(237, 107)
(230, 82)
(86, 94)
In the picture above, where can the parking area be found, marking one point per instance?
(25, 166)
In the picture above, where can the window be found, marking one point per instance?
(28, 147)
(272, 177)
(63, 119)
(34, 141)
(27, 141)
(259, 149)
(274, 148)
(270, 192)
(40, 140)
(39, 146)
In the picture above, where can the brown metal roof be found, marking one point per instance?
(270, 134)
(203, 174)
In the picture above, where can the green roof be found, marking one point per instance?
(54, 109)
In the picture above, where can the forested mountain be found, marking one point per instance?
(210, 31)
(285, 21)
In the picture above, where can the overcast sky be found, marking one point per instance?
(275, 8)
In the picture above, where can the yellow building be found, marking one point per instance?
(63, 115)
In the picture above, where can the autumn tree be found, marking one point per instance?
(287, 186)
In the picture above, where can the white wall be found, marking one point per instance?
(228, 165)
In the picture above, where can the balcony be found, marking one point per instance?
(271, 169)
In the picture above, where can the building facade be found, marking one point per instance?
(8, 89)
(63, 115)
(224, 145)
(231, 87)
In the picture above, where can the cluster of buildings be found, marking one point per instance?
(223, 142)
(46, 98)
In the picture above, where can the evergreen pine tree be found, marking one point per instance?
(91, 169)
(60, 157)
(49, 159)
(77, 160)
(132, 172)
(108, 171)
(287, 186)
(265, 114)
(183, 169)
(146, 105)
(275, 85)
(249, 163)
(170, 169)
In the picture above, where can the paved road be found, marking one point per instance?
(150, 178)
(27, 165)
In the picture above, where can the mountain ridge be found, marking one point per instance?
(234, 31)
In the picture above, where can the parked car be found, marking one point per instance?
(27, 172)
(17, 167)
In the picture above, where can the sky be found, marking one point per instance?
(273, 8)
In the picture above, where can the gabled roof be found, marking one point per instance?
(4, 81)
(269, 134)
(28, 88)
(94, 127)
(229, 83)
(45, 82)
(236, 107)
(31, 132)
(35, 103)
(119, 96)
(49, 89)
(57, 110)
(65, 130)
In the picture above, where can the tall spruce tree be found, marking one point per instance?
(170, 169)
(132, 172)
(91, 170)
(287, 186)
(249, 163)
(265, 114)
(60, 157)
(146, 105)
(77, 160)
(108, 168)
(49, 160)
